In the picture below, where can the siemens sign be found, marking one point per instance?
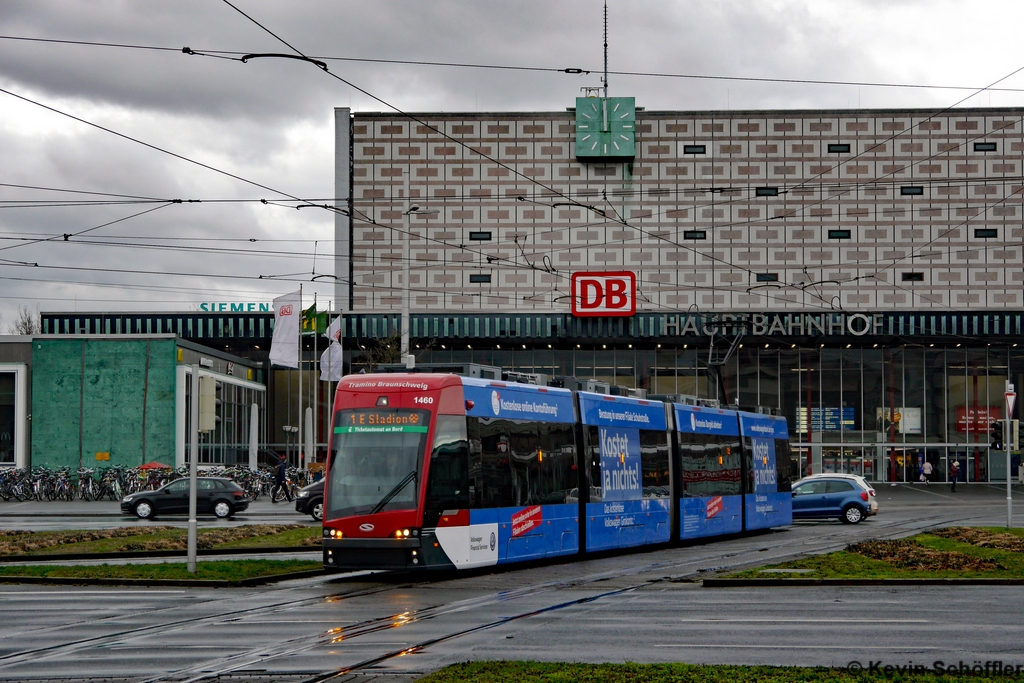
(235, 307)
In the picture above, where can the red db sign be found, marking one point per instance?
(604, 294)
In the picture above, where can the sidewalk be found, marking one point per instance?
(911, 494)
(112, 508)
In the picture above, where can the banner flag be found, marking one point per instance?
(334, 329)
(284, 347)
(330, 363)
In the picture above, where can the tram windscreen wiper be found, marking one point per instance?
(393, 492)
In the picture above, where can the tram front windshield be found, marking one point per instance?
(376, 460)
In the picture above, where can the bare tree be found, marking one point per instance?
(26, 323)
(382, 351)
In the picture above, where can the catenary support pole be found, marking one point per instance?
(298, 441)
(404, 350)
(314, 386)
(193, 460)
(1007, 446)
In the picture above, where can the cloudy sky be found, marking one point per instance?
(264, 130)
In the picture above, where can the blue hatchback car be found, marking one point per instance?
(844, 496)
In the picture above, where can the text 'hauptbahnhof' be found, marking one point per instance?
(857, 271)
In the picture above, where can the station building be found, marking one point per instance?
(857, 271)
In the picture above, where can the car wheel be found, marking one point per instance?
(222, 509)
(316, 510)
(144, 510)
(852, 514)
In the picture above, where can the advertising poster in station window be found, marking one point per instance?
(765, 507)
(702, 514)
(624, 516)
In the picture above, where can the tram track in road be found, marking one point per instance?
(897, 529)
(725, 555)
(67, 648)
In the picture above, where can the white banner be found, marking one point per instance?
(284, 348)
(330, 363)
(334, 330)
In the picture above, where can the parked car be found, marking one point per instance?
(216, 495)
(309, 500)
(846, 496)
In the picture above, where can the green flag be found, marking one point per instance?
(313, 322)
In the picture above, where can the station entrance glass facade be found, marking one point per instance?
(879, 403)
(879, 410)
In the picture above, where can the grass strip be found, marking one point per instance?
(220, 570)
(538, 672)
(944, 554)
(122, 539)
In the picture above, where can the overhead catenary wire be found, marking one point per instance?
(236, 55)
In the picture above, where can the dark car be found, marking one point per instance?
(845, 496)
(310, 500)
(221, 497)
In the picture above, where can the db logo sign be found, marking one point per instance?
(604, 294)
(285, 310)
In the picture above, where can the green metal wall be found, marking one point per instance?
(94, 396)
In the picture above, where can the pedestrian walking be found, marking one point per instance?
(281, 481)
(954, 474)
(926, 472)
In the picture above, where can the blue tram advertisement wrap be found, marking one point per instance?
(443, 471)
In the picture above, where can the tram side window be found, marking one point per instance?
(505, 451)
(557, 474)
(709, 465)
(476, 473)
(521, 462)
(448, 478)
(592, 456)
(784, 465)
(654, 463)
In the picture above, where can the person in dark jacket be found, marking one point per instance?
(281, 481)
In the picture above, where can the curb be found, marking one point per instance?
(181, 583)
(753, 583)
(142, 554)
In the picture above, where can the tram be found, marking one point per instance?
(436, 471)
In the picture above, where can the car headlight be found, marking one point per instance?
(126, 499)
(303, 494)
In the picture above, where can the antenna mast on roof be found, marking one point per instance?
(605, 48)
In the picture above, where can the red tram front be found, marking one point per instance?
(441, 471)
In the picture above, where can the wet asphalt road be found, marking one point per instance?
(641, 607)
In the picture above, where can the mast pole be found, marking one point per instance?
(606, 49)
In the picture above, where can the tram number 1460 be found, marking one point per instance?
(424, 400)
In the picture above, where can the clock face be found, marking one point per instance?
(605, 128)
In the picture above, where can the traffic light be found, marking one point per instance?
(997, 435)
(1013, 438)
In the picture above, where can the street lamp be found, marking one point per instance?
(289, 431)
(407, 357)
